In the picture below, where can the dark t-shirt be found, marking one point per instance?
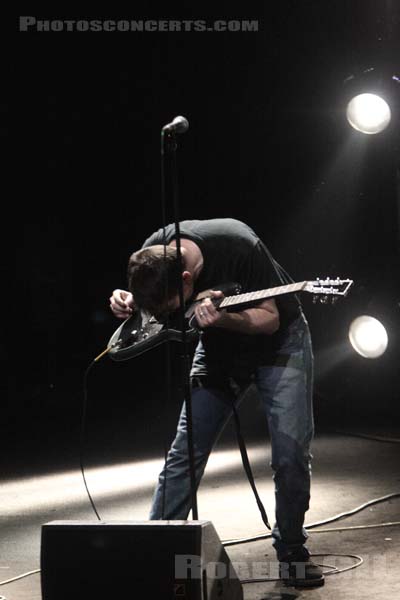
(232, 253)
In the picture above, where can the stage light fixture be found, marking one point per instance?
(368, 336)
(371, 99)
(368, 113)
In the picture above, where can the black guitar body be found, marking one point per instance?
(135, 336)
(141, 332)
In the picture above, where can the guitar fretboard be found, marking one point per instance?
(263, 294)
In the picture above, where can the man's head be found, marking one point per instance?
(153, 278)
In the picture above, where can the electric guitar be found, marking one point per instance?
(142, 331)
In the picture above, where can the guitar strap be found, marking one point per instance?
(282, 275)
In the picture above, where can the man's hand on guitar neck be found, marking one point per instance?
(206, 312)
(122, 304)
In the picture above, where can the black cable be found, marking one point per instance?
(284, 278)
(247, 466)
(82, 434)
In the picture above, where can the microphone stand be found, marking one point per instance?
(168, 144)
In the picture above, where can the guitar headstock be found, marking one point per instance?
(328, 289)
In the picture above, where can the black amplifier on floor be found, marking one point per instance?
(168, 560)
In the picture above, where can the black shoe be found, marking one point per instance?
(301, 573)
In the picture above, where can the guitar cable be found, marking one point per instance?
(83, 427)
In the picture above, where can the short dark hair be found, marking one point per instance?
(153, 277)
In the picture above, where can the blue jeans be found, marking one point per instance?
(285, 388)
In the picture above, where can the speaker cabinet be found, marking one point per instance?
(135, 560)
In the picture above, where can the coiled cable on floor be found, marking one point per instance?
(82, 434)
(333, 570)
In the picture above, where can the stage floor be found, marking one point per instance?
(348, 471)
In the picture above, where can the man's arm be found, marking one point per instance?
(263, 319)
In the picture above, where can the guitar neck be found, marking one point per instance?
(262, 294)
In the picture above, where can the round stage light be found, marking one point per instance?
(368, 336)
(368, 113)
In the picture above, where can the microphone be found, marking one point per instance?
(178, 125)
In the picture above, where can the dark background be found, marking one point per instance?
(268, 143)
